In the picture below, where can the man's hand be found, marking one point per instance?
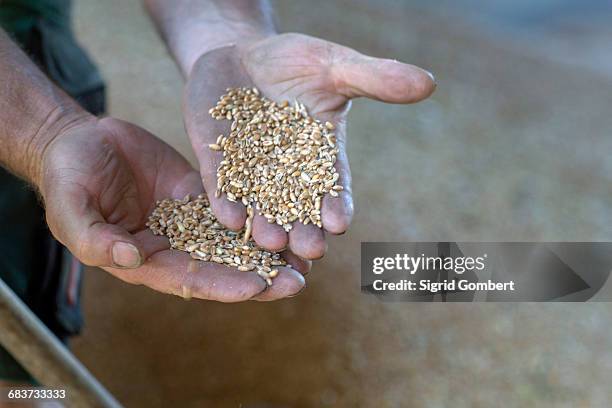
(100, 180)
(322, 75)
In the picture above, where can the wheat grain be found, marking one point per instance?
(276, 158)
(191, 227)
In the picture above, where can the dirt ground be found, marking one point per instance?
(514, 145)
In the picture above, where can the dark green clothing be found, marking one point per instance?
(46, 24)
(38, 269)
(20, 16)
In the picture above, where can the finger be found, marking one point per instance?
(301, 265)
(75, 221)
(284, 285)
(231, 214)
(307, 241)
(150, 243)
(355, 75)
(269, 236)
(287, 283)
(201, 94)
(190, 184)
(176, 273)
(337, 212)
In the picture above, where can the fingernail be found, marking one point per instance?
(433, 78)
(126, 255)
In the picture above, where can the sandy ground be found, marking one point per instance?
(513, 146)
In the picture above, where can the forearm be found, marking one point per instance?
(32, 112)
(190, 28)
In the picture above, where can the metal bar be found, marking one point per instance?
(45, 357)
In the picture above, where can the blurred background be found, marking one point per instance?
(514, 145)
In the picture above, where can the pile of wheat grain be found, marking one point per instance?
(276, 158)
(192, 227)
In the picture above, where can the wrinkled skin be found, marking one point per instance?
(101, 178)
(100, 181)
(322, 75)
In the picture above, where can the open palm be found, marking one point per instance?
(322, 75)
(101, 181)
